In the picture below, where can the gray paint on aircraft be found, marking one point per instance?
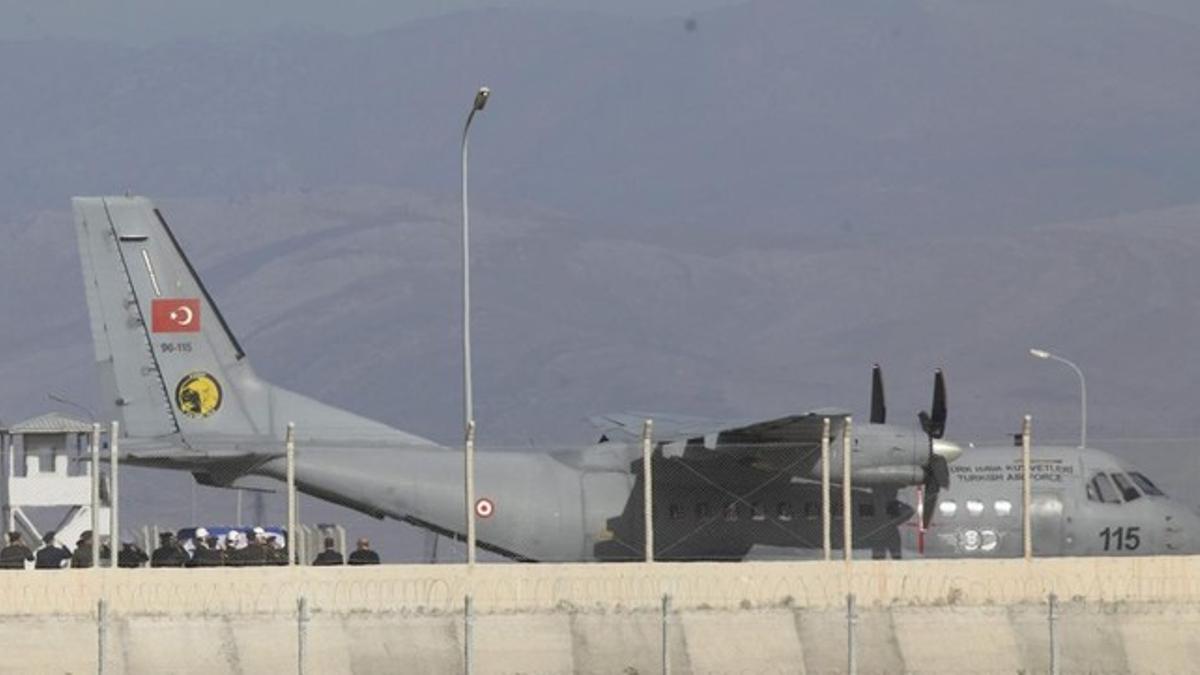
(189, 400)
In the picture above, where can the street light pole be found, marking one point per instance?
(481, 98)
(1043, 354)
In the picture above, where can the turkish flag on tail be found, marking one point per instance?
(175, 315)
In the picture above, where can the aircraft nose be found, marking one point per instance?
(947, 450)
(1183, 531)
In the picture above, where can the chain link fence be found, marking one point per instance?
(707, 498)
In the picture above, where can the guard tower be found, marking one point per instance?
(49, 467)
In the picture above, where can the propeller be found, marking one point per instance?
(933, 423)
(937, 470)
(878, 407)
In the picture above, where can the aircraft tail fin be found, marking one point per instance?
(169, 364)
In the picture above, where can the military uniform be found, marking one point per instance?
(364, 556)
(83, 554)
(169, 554)
(205, 556)
(51, 557)
(328, 557)
(131, 557)
(14, 556)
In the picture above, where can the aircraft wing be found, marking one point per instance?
(803, 429)
(627, 426)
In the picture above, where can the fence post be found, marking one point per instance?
(95, 495)
(9, 521)
(301, 633)
(1053, 617)
(291, 493)
(666, 634)
(468, 635)
(648, 486)
(1026, 486)
(851, 642)
(101, 633)
(826, 516)
(114, 495)
(847, 495)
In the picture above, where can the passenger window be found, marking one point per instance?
(866, 510)
(1003, 507)
(948, 509)
(1144, 483)
(811, 510)
(1127, 490)
(894, 508)
(1102, 489)
(784, 511)
(974, 507)
(702, 510)
(675, 512)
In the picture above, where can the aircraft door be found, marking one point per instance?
(605, 495)
(1046, 512)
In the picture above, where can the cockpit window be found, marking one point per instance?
(1127, 490)
(1144, 483)
(1101, 489)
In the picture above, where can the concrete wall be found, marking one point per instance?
(1116, 615)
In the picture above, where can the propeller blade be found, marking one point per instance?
(939, 471)
(926, 424)
(938, 416)
(878, 407)
(929, 505)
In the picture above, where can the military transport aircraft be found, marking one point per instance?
(172, 372)
(1085, 502)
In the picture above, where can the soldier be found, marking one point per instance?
(206, 553)
(131, 556)
(330, 556)
(83, 551)
(278, 550)
(169, 553)
(16, 554)
(235, 543)
(363, 555)
(51, 556)
(254, 553)
(214, 545)
(258, 551)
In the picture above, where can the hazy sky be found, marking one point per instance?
(140, 22)
(920, 183)
(143, 22)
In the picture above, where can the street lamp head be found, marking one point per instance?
(1039, 353)
(481, 98)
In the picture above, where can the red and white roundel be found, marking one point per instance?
(484, 508)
